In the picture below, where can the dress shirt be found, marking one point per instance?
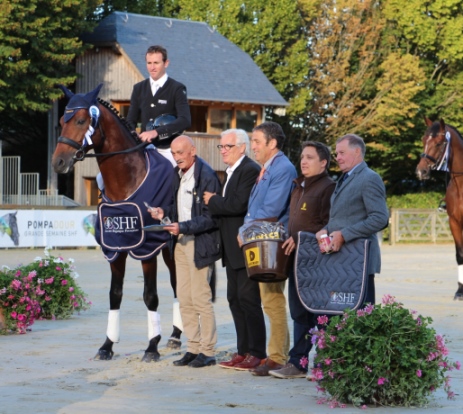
(230, 171)
(185, 194)
(155, 85)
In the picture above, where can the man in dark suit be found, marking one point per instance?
(358, 205)
(242, 293)
(155, 96)
(151, 98)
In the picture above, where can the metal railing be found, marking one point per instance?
(17, 188)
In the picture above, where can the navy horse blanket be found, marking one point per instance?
(331, 283)
(119, 225)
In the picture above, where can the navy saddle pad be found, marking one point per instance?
(331, 283)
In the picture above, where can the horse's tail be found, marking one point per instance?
(213, 280)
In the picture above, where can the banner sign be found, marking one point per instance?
(47, 228)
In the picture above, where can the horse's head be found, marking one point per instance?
(434, 146)
(78, 124)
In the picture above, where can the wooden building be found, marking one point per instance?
(225, 88)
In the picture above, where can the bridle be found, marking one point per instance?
(87, 143)
(436, 163)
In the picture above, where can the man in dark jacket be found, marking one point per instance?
(197, 250)
(242, 293)
(309, 211)
(155, 96)
(160, 95)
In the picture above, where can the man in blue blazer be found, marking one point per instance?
(358, 205)
(269, 200)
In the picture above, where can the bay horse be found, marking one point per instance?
(132, 175)
(443, 150)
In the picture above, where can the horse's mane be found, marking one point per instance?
(456, 131)
(121, 119)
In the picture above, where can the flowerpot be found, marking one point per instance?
(266, 261)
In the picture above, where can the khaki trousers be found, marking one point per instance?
(274, 303)
(195, 298)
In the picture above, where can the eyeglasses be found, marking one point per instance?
(227, 147)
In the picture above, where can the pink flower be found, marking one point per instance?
(13, 315)
(64, 282)
(332, 338)
(369, 308)
(317, 374)
(457, 365)
(71, 289)
(304, 362)
(382, 380)
(49, 281)
(360, 312)
(58, 268)
(419, 321)
(328, 361)
(322, 320)
(418, 373)
(388, 300)
(16, 284)
(364, 407)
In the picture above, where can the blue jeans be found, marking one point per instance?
(303, 321)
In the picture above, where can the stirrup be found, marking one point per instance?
(442, 206)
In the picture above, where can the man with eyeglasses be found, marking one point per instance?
(242, 293)
(269, 201)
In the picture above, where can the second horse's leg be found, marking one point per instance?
(115, 298)
(151, 299)
(174, 341)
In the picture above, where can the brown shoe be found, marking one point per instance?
(236, 358)
(263, 369)
(250, 362)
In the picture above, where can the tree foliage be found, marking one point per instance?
(372, 67)
(38, 43)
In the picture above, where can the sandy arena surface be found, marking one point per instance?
(51, 369)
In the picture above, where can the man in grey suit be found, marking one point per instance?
(358, 205)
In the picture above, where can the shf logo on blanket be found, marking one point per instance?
(253, 256)
(121, 224)
(342, 298)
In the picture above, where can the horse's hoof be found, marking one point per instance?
(174, 343)
(103, 355)
(151, 357)
(459, 292)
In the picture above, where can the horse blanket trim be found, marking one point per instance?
(329, 284)
(119, 226)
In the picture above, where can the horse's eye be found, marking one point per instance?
(80, 122)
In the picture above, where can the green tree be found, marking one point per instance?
(39, 40)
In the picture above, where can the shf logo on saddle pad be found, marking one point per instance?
(253, 257)
(121, 224)
(342, 298)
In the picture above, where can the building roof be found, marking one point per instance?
(211, 67)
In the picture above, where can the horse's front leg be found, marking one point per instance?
(151, 299)
(457, 233)
(115, 298)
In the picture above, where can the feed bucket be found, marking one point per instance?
(266, 261)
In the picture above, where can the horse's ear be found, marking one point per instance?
(442, 124)
(427, 121)
(66, 91)
(93, 95)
